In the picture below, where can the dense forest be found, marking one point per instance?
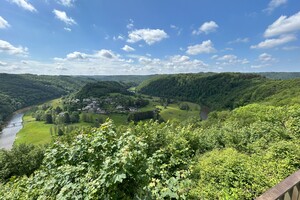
(248, 144)
(223, 91)
(101, 88)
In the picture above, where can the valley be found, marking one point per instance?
(168, 136)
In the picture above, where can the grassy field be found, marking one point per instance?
(173, 112)
(33, 132)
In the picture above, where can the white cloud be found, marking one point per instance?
(119, 37)
(67, 3)
(107, 62)
(274, 4)
(270, 43)
(3, 63)
(3, 23)
(257, 66)
(150, 36)
(104, 53)
(77, 56)
(8, 48)
(176, 28)
(24, 4)
(204, 47)
(229, 59)
(206, 28)
(284, 25)
(61, 15)
(128, 48)
(67, 29)
(130, 24)
(265, 58)
(239, 40)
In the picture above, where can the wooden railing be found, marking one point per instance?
(288, 189)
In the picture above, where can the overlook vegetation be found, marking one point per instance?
(248, 144)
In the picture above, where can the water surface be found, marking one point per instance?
(8, 134)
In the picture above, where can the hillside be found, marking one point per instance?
(223, 91)
(18, 91)
(101, 88)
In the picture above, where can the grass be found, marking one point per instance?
(172, 112)
(56, 102)
(33, 132)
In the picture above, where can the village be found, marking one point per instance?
(107, 105)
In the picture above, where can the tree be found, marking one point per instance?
(67, 119)
(48, 118)
(74, 118)
(58, 110)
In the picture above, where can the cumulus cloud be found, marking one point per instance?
(283, 29)
(79, 56)
(104, 53)
(24, 4)
(3, 23)
(284, 25)
(270, 43)
(128, 48)
(206, 28)
(265, 58)
(150, 36)
(67, 3)
(204, 47)
(61, 15)
(239, 40)
(8, 48)
(274, 4)
(229, 59)
(107, 62)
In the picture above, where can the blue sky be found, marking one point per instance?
(102, 37)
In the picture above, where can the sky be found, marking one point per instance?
(135, 37)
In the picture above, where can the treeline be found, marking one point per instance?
(18, 91)
(223, 91)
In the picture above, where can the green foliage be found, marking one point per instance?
(101, 88)
(184, 106)
(107, 163)
(138, 116)
(225, 90)
(232, 155)
(21, 160)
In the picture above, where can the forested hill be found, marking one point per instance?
(101, 88)
(280, 75)
(18, 91)
(224, 90)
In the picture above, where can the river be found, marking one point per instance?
(8, 134)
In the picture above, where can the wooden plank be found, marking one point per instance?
(281, 188)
